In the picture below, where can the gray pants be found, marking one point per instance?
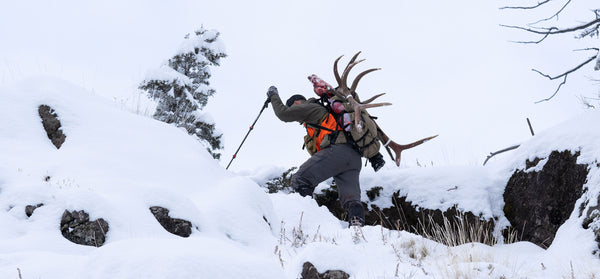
(340, 161)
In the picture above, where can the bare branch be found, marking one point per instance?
(537, 6)
(588, 28)
(555, 15)
(554, 30)
(587, 48)
(564, 76)
(569, 71)
(526, 29)
(526, 8)
(555, 92)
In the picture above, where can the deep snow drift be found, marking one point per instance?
(115, 165)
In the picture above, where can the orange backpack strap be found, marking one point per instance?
(319, 131)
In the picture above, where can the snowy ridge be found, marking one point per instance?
(115, 165)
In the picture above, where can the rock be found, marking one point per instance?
(77, 227)
(403, 215)
(329, 198)
(335, 274)
(310, 272)
(30, 208)
(592, 222)
(52, 125)
(175, 226)
(538, 203)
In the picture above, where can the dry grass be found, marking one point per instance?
(460, 231)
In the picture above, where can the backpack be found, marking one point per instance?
(333, 125)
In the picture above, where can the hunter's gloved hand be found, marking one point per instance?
(377, 161)
(272, 91)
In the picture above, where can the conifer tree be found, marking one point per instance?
(181, 87)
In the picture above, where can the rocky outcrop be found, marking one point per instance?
(77, 227)
(310, 272)
(403, 215)
(52, 125)
(175, 226)
(537, 203)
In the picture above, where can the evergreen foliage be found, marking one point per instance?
(282, 183)
(181, 87)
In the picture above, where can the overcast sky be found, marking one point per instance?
(447, 66)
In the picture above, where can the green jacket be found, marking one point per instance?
(308, 112)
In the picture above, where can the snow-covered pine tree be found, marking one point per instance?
(181, 87)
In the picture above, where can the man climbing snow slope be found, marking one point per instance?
(334, 156)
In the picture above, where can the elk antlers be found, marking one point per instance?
(349, 93)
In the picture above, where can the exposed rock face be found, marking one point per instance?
(310, 272)
(77, 227)
(175, 226)
(52, 125)
(403, 215)
(538, 203)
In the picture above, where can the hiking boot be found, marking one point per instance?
(355, 221)
(356, 213)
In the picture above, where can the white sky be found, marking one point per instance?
(447, 67)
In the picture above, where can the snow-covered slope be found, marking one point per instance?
(115, 165)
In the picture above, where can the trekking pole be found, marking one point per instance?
(249, 130)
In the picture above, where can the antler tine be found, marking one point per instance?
(346, 72)
(398, 148)
(335, 70)
(357, 79)
(373, 98)
(366, 106)
(342, 83)
(358, 108)
(353, 58)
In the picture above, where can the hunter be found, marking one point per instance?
(334, 156)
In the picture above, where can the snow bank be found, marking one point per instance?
(115, 165)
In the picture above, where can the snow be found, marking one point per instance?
(207, 39)
(115, 164)
(168, 74)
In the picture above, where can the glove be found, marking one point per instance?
(272, 91)
(377, 162)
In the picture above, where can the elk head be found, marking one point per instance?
(349, 93)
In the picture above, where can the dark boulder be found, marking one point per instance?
(30, 208)
(310, 272)
(175, 226)
(77, 227)
(537, 203)
(52, 125)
